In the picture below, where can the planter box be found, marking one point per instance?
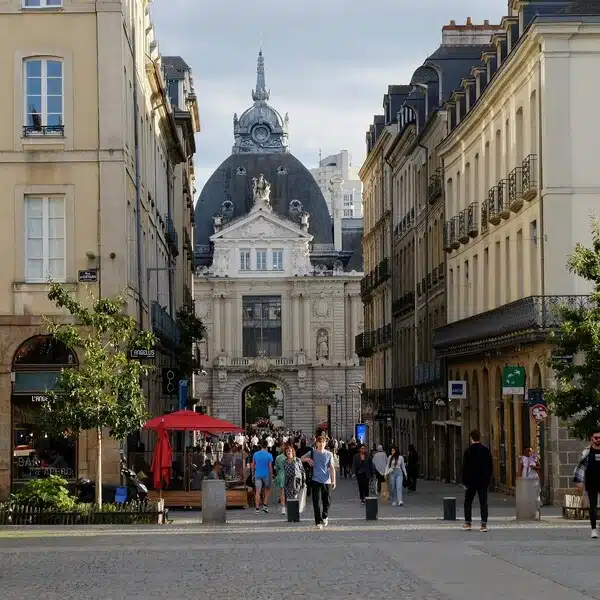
(148, 513)
(576, 507)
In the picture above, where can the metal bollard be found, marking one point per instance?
(449, 509)
(293, 511)
(371, 508)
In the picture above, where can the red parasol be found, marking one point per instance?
(162, 460)
(188, 420)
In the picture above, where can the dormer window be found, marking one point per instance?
(241, 171)
(282, 170)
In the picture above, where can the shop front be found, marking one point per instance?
(35, 452)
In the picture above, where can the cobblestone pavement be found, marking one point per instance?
(266, 558)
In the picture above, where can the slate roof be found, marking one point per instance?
(174, 67)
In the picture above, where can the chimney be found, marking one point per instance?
(469, 22)
(468, 34)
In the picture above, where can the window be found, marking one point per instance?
(173, 92)
(42, 3)
(245, 260)
(44, 238)
(348, 198)
(261, 325)
(277, 260)
(348, 212)
(43, 96)
(261, 260)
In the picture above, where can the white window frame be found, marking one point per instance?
(43, 4)
(44, 92)
(263, 252)
(45, 239)
(277, 252)
(245, 260)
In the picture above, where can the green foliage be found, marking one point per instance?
(191, 331)
(258, 398)
(105, 391)
(577, 397)
(49, 492)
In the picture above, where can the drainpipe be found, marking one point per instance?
(392, 277)
(138, 196)
(170, 272)
(99, 212)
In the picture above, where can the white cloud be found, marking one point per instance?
(328, 62)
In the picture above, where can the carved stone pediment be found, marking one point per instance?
(262, 226)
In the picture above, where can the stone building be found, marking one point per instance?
(86, 207)
(277, 284)
(521, 181)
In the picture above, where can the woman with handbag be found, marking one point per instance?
(396, 470)
(294, 477)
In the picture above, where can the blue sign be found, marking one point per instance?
(183, 394)
(360, 433)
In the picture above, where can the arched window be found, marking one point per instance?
(43, 351)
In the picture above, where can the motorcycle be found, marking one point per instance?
(136, 489)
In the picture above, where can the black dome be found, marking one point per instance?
(289, 179)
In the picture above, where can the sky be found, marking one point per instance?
(328, 62)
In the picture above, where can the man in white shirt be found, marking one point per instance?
(270, 441)
(529, 465)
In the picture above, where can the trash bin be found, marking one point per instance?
(214, 502)
(527, 493)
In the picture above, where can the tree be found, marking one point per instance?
(258, 399)
(577, 397)
(105, 391)
(191, 332)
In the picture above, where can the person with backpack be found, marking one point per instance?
(587, 477)
(323, 480)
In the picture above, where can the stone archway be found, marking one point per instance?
(243, 384)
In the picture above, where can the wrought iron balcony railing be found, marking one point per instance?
(164, 325)
(515, 189)
(503, 209)
(42, 130)
(472, 219)
(441, 271)
(435, 188)
(484, 216)
(454, 236)
(406, 304)
(528, 319)
(463, 236)
(172, 238)
(493, 206)
(530, 183)
(448, 236)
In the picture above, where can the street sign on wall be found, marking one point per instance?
(457, 390)
(513, 381)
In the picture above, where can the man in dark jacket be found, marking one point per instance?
(477, 474)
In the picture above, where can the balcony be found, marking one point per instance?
(419, 294)
(484, 216)
(526, 320)
(43, 130)
(434, 276)
(381, 273)
(428, 373)
(429, 281)
(188, 300)
(435, 187)
(362, 345)
(172, 238)
(502, 205)
(515, 189)
(472, 220)
(406, 304)
(187, 242)
(463, 236)
(369, 341)
(441, 271)
(493, 207)
(529, 184)
(164, 326)
(447, 237)
(454, 229)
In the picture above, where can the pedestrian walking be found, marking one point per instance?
(294, 480)
(380, 461)
(323, 480)
(262, 470)
(280, 475)
(396, 469)
(363, 470)
(412, 468)
(476, 474)
(587, 477)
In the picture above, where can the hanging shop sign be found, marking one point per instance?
(457, 390)
(513, 381)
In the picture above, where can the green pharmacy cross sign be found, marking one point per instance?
(513, 381)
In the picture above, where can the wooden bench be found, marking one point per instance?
(193, 499)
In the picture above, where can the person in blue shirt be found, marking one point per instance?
(323, 480)
(262, 473)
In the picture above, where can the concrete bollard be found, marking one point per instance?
(293, 511)
(214, 502)
(527, 496)
(371, 508)
(449, 509)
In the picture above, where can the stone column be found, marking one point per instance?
(217, 324)
(228, 342)
(295, 345)
(306, 319)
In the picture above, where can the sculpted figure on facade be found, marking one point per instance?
(221, 260)
(301, 260)
(322, 344)
(261, 190)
